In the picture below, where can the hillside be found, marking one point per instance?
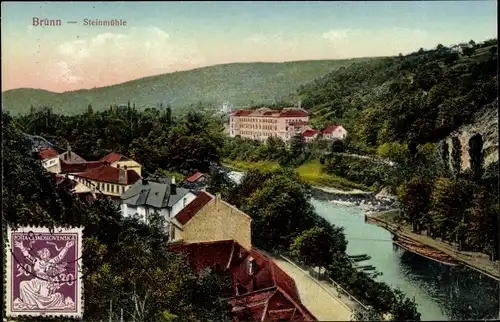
(422, 97)
(242, 84)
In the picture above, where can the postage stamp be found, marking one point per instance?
(44, 272)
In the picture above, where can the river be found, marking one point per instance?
(440, 291)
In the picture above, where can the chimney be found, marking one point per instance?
(173, 186)
(122, 175)
(69, 150)
(300, 103)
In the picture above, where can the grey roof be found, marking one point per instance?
(154, 194)
(38, 142)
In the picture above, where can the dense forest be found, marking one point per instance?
(420, 97)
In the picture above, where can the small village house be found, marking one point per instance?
(197, 181)
(310, 135)
(52, 160)
(161, 195)
(209, 218)
(334, 132)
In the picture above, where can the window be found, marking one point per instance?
(251, 265)
(107, 187)
(123, 189)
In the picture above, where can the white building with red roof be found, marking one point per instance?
(334, 132)
(310, 134)
(264, 122)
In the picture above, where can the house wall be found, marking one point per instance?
(108, 189)
(183, 202)
(52, 165)
(339, 133)
(131, 165)
(218, 221)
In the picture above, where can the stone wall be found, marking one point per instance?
(486, 124)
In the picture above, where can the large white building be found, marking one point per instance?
(264, 122)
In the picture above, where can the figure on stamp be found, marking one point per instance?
(40, 291)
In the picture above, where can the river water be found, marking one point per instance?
(441, 292)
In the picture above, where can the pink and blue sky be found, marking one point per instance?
(173, 36)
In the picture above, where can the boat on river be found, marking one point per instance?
(426, 252)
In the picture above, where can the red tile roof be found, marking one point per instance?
(309, 133)
(193, 207)
(241, 113)
(48, 153)
(293, 113)
(268, 293)
(80, 167)
(194, 177)
(286, 112)
(330, 129)
(113, 157)
(107, 173)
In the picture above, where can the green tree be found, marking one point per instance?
(476, 156)
(314, 247)
(456, 155)
(413, 199)
(297, 145)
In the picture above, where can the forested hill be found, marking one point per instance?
(242, 84)
(421, 97)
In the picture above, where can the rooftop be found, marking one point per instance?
(114, 157)
(80, 167)
(330, 129)
(309, 133)
(195, 177)
(193, 207)
(157, 194)
(267, 112)
(48, 153)
(265, 293)
(107, 173)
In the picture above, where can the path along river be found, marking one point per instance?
(442, 292)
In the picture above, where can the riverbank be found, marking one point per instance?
(311, 172)
(477, 261)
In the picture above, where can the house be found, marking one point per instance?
(50, 159)
(334, 132)
(209, 218)
(117, 160)
(106, 180)
(262, 291)
(161, 195)
(264, 122)
(310, 135)
(197, 181)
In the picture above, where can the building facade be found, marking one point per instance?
(262, 123)
(334, 132)
(209, 218)
(151, 195)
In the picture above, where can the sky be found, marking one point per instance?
(164, 37)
